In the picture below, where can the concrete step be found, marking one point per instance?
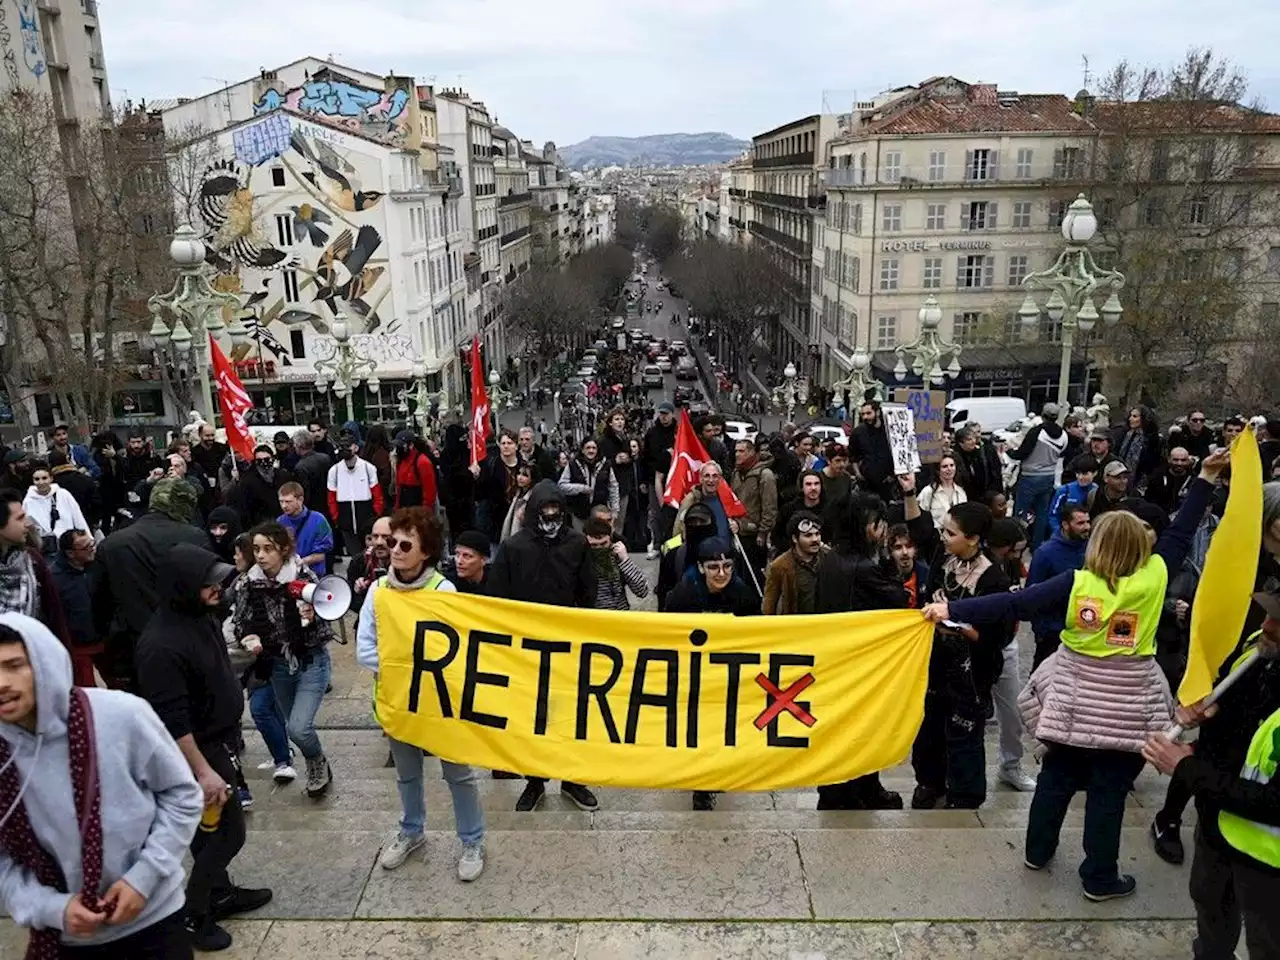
(742, 940)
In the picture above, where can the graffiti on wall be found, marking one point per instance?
(29, 27)
(6, 49)
(344, 104)
(313, 231)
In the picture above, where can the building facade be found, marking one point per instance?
(954, 191)
(323, 197)
(787, 197)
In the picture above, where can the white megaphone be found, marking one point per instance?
(330, 598)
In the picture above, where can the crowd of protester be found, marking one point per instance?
(168, 574)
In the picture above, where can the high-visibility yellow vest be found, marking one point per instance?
(1102, 623)
(1258, 840)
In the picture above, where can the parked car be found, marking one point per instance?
(825, 429)
(686, 369)
(664, 363)
(651, 376)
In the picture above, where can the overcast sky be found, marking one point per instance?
(564, 70)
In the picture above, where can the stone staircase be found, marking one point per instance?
(764, 875)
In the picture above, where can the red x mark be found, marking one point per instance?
(785, 700)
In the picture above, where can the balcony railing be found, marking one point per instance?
(737, 192)
(778, 199)
(951, 175)
(802, 159)
(794, 245)
(486, 189)
(511, 199)
(486, 233)
(399, 183)
(517, 234)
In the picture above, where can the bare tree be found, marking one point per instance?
(189, 152)
(734, 289)
(1181, 203)
(549, 309)
(80, 246)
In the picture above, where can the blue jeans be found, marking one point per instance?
(299, 695)
(1035, 494)
(267, 717)
(468, 817)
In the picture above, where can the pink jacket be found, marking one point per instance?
(1103, 703)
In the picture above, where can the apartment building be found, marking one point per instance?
(951, 190)
(552, 219)
(320, 192)
(515, 203)
(58, 51)
(738, 205)
(787, 197)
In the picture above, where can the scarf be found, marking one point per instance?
(19, 589)
(1131, 450)
(605, 564)
(19, 839)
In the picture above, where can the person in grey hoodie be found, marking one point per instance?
(1040, 454)
(98, 809)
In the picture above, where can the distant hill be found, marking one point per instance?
(659, 149)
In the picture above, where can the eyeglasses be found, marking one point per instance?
(1197, 419)
(718, 566)
(262, 461)
(404, 546)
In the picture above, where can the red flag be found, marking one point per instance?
(480, 429)
(687, 459)
(233, 402)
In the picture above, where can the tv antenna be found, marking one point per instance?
(1087, 76)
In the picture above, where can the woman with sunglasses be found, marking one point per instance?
(293, 641)
(416, 545)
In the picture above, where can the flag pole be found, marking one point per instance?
(747, 563)
(1216, 693)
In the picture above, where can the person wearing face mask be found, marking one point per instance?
(589, 481)
(53, 510)
(415, 474)
(680, 553)
(255, 495)
(616, 573)
(1168, 486)
(416, 543)
(223, 528)
(355, 496)
(546, 562)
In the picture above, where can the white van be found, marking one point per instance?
(993, 413)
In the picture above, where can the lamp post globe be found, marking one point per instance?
(186, 249)
(789, 371)
(1080, 224)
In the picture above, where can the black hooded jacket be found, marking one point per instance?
(535, 569)
(226, 547)
(181, 657)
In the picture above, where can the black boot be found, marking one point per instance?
(704, 800)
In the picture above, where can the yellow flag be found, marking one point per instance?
(699, 701)
(1226, 585)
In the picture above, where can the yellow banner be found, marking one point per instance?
(703, 701)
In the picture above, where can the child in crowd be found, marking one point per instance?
(1080, 490)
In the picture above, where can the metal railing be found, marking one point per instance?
(952, 174)
(802, 159)
(517, 234)
(511, 199)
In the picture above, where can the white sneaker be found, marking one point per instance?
(267, 765)
(399, 849)
(653, 552)
(1014, 777)
(471, 863)
(284, 774)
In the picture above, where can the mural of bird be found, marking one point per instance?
(226, 205)
(343, 269)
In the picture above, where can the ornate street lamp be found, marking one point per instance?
(422, 397)
(928, 349)
(1072, 280)
(345, 366)
(788, 393)
(860, 380)
(196, 309)
(500, 398)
